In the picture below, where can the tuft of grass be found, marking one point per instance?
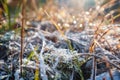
(10, 17)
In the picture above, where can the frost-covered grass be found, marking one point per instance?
(60, 44)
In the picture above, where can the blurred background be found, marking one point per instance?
(60, 10)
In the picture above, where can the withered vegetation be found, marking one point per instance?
(56, 40)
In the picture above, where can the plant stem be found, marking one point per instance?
(22, 35)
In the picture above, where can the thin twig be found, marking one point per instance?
(22, 35)
(93, 69)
